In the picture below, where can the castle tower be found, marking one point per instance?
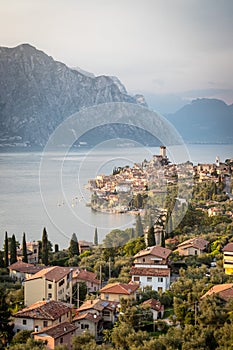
(217, 161)
(163, 151)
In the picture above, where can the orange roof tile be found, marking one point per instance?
(154, 304)
(87, 276)
(53, 273)
(87, 316)
(225, 291)
(156, 251)
(196, 242)
(57, 331)
(228, 248)
(144, 271)
(46, 310)
(120, 288)
(23, 267)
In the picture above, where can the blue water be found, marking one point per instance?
(56, 197)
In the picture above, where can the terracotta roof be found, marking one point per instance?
(98, 305)
(86, 276)
(156, 251)
(45, 310)
(23, 267)
(228, 248)
(53, 273)
(57, 331)
(120, 288)
(196, 242)
(87, 316)
(225, 291)
(154, 304)
(144, 271)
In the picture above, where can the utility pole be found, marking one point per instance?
(100, 276)
(109, 268)
(78, 295)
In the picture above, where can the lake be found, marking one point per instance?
(48, 190)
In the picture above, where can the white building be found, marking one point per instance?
(151, 269)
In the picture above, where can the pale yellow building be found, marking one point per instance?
(117, 291)
(52, 283)
(228, 259)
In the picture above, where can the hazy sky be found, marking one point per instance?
(171, 50)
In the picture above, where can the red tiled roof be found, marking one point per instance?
(154, 304)
(228, 248)
(144, 271)
(87, 316)
(87, 276)
(196, 242)
(156, 251)
(98, 305)
(53, 273)
(45, 310)
(225, 291)
(120, 288)
(23, 267)
(57, 331)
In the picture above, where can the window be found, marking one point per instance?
(49, 286)
(136, 279)
(106, 296)
(45, 323)
(160, 279)
(149, 279)
(143, 260)
(35, 251)
(84, 326)
(106, 313)
(24, 322)
(59, 319)
(49, 295)
(61, 340)
(61, 283)
(195, 252)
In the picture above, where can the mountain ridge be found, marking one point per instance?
(37, 93)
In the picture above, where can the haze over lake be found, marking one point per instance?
(64, 209)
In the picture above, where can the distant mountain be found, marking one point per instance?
(37, 93)
(204, 121)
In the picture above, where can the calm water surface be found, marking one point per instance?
(56, 198)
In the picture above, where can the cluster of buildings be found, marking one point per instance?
(49, 293)
(114, 192)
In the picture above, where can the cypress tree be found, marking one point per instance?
(151, 237)
(24, 246)
(96, 237)
(73, 248)
(163, 239)
(44, 248)
(6, 259)
(139, 227)
(13, 251)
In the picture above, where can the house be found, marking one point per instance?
(151, 268)
(58, 334)
(32, 252)
(117, 291)
(84, 245)
(21, 270)
(193, 246)
(157, 278)
(228, 258)
(88, 322)
(42, 314)
(105, 308)
(89, 278)
(224, 291)
(155, 307)
(151, 256)
(51, 283)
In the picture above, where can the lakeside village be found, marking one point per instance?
(154, 286)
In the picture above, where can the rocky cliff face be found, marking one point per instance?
(37, 93)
